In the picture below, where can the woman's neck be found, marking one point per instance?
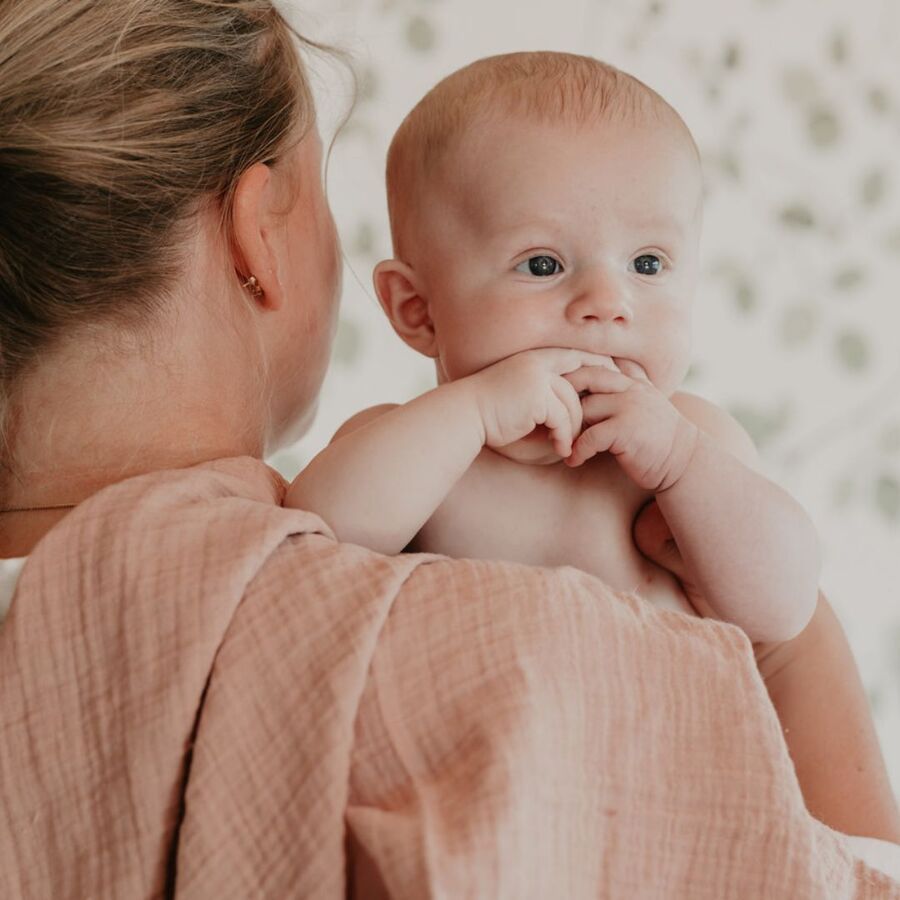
(21, 530)
(96, 417)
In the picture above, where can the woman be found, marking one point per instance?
(202, 693)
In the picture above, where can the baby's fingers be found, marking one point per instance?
(598, 379)
(597, 407)
(596, 439)
(570, 399)
(560, 425)
(561, 360)
(630, 368)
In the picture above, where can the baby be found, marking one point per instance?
(545, 212)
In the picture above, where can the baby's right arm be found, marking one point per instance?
(388, 469)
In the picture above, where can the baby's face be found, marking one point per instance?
(541, 235)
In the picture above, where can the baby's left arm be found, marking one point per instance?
(750, 548)
(750, 544)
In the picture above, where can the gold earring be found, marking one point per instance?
(252, 285)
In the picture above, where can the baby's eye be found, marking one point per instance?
(542, 266)
(648, 264)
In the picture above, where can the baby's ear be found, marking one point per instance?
(397, 286)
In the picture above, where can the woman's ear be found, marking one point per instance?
(252, 234)
(397, 286)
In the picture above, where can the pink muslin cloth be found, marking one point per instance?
(203, 695)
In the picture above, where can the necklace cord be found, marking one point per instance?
(31, 508)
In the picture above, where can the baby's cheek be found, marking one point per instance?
(458, 347)
(677, 372)
(457, 365)
(670, 366)
(467, 356)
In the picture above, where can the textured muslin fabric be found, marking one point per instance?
(203, 695)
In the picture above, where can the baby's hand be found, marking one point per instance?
(523, 391)
(626, 415)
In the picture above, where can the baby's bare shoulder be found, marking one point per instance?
(720, 425)
(357, 420)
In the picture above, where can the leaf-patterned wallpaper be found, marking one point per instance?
(795, 105)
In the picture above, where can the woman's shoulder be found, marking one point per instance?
(216, 491)
(236, 476)
(197, 534)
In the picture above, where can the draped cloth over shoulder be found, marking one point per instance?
(203, 695)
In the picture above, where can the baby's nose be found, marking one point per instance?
(600, 298)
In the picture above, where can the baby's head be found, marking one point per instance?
(543, 200)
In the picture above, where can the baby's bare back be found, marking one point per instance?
(551, 515)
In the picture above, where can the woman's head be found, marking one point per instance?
(153, 155)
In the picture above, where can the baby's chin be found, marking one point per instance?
(535, 449)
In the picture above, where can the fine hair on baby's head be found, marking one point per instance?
(538, 86)
(117, 122)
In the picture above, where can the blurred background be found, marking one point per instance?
(795, 105)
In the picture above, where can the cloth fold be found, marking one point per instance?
(202, 694)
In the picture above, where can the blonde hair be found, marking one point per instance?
(543, 85)
(118, 118)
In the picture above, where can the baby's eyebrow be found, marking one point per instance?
(668, 230)
(552, 227)
(514, 223)
(508, 230)
(660, 224)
